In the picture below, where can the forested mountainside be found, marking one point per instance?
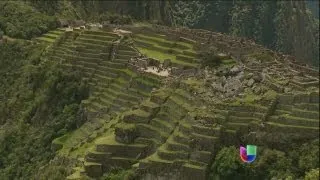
(289, 27)
(153, 90)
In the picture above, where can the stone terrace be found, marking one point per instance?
(297, 113)
(166, 131)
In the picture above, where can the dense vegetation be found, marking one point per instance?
(287, 27)
(271, 164)
(39, 102)
(21, 21)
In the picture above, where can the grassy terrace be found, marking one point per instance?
(51, 36)
(180, 53)
(110, 87)
(296, 114)
(111, 95)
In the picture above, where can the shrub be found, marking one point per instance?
(274, 164)
(228, 165)
(209, 58)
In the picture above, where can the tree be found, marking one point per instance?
(312, 174)
(274, 164)
(187, 13)
(228, 165)
(307, 161)
(1, 34)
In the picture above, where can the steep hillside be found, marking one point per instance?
(153, 109)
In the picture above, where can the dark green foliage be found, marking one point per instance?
(115, 18)
(49, 7)
(312, 174)
(40, 103)
(284, 26)
(187, 13)
(301, 161)
(19, 20)
(209, 58)
(273, 163)
(228, 165)
(58, 169)
(305, 157)
(217, 16)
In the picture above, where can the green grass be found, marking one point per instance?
(270, 95)
(56, 32)
(153, 39)
(156, 54)
(194, 166)
(190, 46)
(248, 99)
(46, 39)
(161, 56)
(228, 62)
(88, 146)
(155, 157)
(163, 93)
(126, 126)
(293, 126)
(137, 112)
(128, 72)
(144, 81)
(61, 140)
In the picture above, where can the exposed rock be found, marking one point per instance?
(63, 23)
(245, 82)
(223, 80)
(257, 77)
(232, 87)
(217, 86)
(142, 63)
(257, 90)
(250, 82)
(287, 89)
(78, 23)
(223, 56)
(120, 31)
(240, 76)
(235, 70)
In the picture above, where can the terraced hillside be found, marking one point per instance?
(171, 126)
(51, 36)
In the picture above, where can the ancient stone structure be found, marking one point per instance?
(170, 127)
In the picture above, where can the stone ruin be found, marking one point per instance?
(150, 65)
(71, 25)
